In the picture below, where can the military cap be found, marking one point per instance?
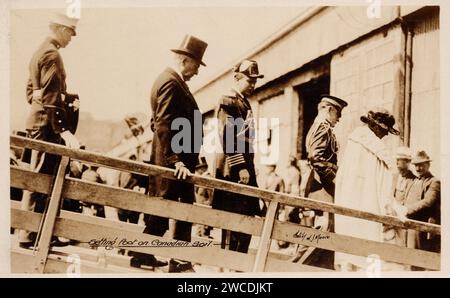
(248, 68)
(333, 100)
(64, 20)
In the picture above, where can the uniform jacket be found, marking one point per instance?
(236, 134)
(170, 100)
(424, 199)
(52, 112)
(322, 147)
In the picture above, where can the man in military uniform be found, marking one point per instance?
(235, 163)
(321, 145)
(322, 148)
(53, 114)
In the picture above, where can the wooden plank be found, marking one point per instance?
(31, 221)
(306, 254)
(84, 232)
(22, 261)
(25, 179)
(50, 217)
(75, 228)
(389, 252)
(275, 265)
(24, 220)
(265, 240)
(113, 196)
(131, 200)
(281, 198)
(282, 231)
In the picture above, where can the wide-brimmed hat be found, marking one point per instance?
(248, 68)
(64, 20)
(420, 157)
(193, 47)
(403, 153)
(382, 118)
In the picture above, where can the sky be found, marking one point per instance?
(119, 51)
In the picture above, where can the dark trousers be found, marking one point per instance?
(237, 203)
(239, 241)
(128, 216)
(44, 164)
(157, 225)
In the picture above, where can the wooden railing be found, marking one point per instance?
(84, 228)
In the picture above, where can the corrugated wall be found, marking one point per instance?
(425, 87)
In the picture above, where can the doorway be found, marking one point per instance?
(309, 96)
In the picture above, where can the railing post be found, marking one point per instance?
(50, 217)
(266, 238)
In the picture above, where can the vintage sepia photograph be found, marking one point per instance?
(218, 138)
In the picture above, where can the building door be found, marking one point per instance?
(309, 97)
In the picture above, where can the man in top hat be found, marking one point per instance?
(364, 182)
(234, 162)
(53, 115)
(170, 101)
(423, 203)
(322, 148)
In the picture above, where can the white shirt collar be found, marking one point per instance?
(178, 73)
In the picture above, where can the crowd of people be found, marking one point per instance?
(361, 180)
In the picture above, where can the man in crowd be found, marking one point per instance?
(171, 100)
(401, 185)
(423, 203)
(235, 163)
(53, 114)
(364, 182)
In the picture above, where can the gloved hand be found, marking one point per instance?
(244, 176)
(400, 211)
(70, 140)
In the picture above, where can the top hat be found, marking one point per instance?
(64, 20)
(420, 157)
(202, 163)
(193, 47)
(248, 68)
(333, 100)
(403, 153)
(382, 118)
